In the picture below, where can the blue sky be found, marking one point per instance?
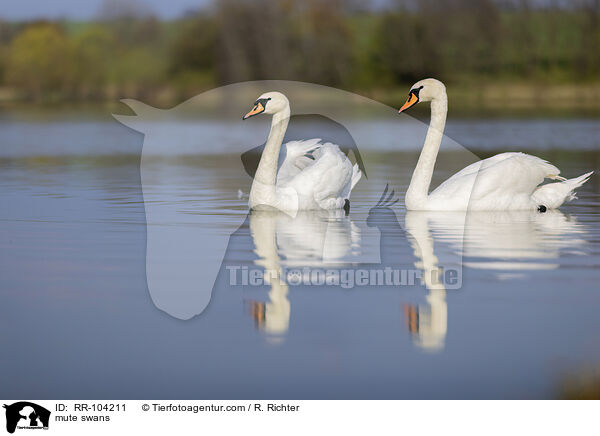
(85, 9)
(88, 9)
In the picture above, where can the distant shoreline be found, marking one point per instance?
(468, 100)
(512, 96)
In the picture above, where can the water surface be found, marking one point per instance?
(78, 319)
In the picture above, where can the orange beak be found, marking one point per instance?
(410, 102)
(258, 108)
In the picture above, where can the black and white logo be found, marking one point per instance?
(26, 415)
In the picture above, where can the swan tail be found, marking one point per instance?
(576, 183)
(554, 195)
(356, 175)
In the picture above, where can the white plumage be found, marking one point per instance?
(506, 181)
(320, 173)
(314, 175)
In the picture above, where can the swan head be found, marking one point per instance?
(424, 90)
(268, 103)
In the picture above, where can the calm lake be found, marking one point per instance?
(104, 250)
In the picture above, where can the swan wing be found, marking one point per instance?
(503, 181)
(298, 155)
(324, 177)
(517, 174)
(474, 167)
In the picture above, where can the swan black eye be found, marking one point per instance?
(262, 101)
(415, 91)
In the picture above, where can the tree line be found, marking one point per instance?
(337, 43)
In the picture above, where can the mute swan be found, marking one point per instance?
(506, 181)
(313, 175)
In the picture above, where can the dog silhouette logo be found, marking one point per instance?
(26, 415)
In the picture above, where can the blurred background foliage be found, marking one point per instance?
(482, 47)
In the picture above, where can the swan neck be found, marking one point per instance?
(266, 173)
(416, 196)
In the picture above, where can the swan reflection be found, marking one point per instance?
(311, 238)
(507, 243)
(427, 323)
(504, 244)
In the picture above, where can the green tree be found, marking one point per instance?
(40, 61)
(193, 48)
(254, 40)
(327, 43)
(287, 39)
(408, 49)
(95, 51)
(139, 72)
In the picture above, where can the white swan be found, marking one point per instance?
(506, 181)
(313, 175)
